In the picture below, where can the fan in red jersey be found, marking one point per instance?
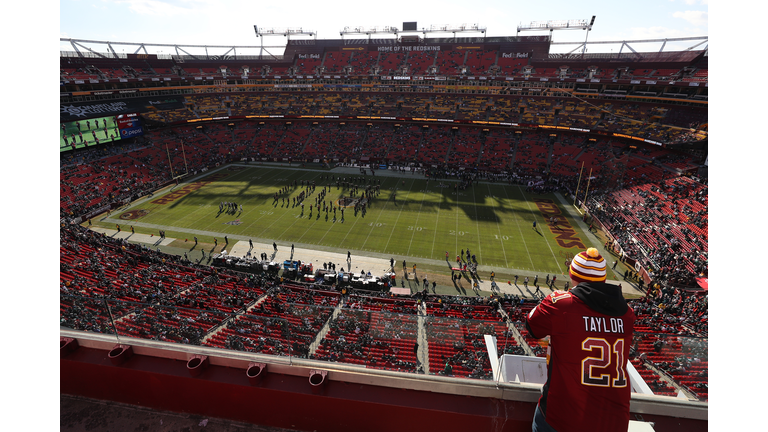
(590, 329)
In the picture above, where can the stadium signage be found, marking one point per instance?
(71, 112)
(127, 133)
(564, 234)
(87, 110)
(401, 77)
(409, 48)
(514, 55)
(186, 190)
(161, 102)
(309, 56)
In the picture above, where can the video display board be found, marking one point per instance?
(90, 132)
(95, 131)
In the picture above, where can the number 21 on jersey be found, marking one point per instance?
(605, 353)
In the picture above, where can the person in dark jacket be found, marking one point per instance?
(590, 331)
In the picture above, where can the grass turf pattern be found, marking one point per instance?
(424, 218)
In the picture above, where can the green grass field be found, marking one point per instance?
(425, 220)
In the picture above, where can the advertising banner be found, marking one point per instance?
(85, 110)
(129, 125)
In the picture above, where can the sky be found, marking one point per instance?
(230, 22)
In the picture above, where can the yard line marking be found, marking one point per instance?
(557, 262)
(245, 229)
(521, 233)
(399, 213)
(456, 232)
(298, 188)
(423, 195)
(437, 220)
(477, 224)
(374, 224)
(338, 220)
(499, 229)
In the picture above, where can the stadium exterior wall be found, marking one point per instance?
(351, 399)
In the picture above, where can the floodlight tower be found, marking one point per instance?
(560, 25)
(448, 28)
(360, 30)
(288, 32)
(454, 28)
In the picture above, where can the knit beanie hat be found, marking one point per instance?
(588, 266)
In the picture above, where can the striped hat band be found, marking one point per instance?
(588, 266)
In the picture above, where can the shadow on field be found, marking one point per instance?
(460, 289)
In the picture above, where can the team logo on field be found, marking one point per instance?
(134, 214)
(349, 202)
(234, 222)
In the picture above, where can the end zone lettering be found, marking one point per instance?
(186, 190)
(564, 234)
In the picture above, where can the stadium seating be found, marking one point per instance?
(335, 62)
(161, 297)
(640, 195)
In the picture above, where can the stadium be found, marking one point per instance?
(349, 235)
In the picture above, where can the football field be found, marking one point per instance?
(408, 216)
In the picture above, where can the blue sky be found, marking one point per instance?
(230, 22)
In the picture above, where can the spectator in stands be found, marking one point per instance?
(590, 321)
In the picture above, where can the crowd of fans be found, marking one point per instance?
(164, 297)
(662, 222)
(663, 225)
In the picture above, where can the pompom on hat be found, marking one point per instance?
(588, 266)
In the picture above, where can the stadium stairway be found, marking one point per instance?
(422, 355)
(223, 325)
(515, 333)
(326, 328)
(663, 376)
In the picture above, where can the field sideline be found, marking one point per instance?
(423, 220)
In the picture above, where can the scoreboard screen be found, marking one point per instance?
(95, 131)
(86, 133)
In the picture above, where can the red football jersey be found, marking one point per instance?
(587, 387)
